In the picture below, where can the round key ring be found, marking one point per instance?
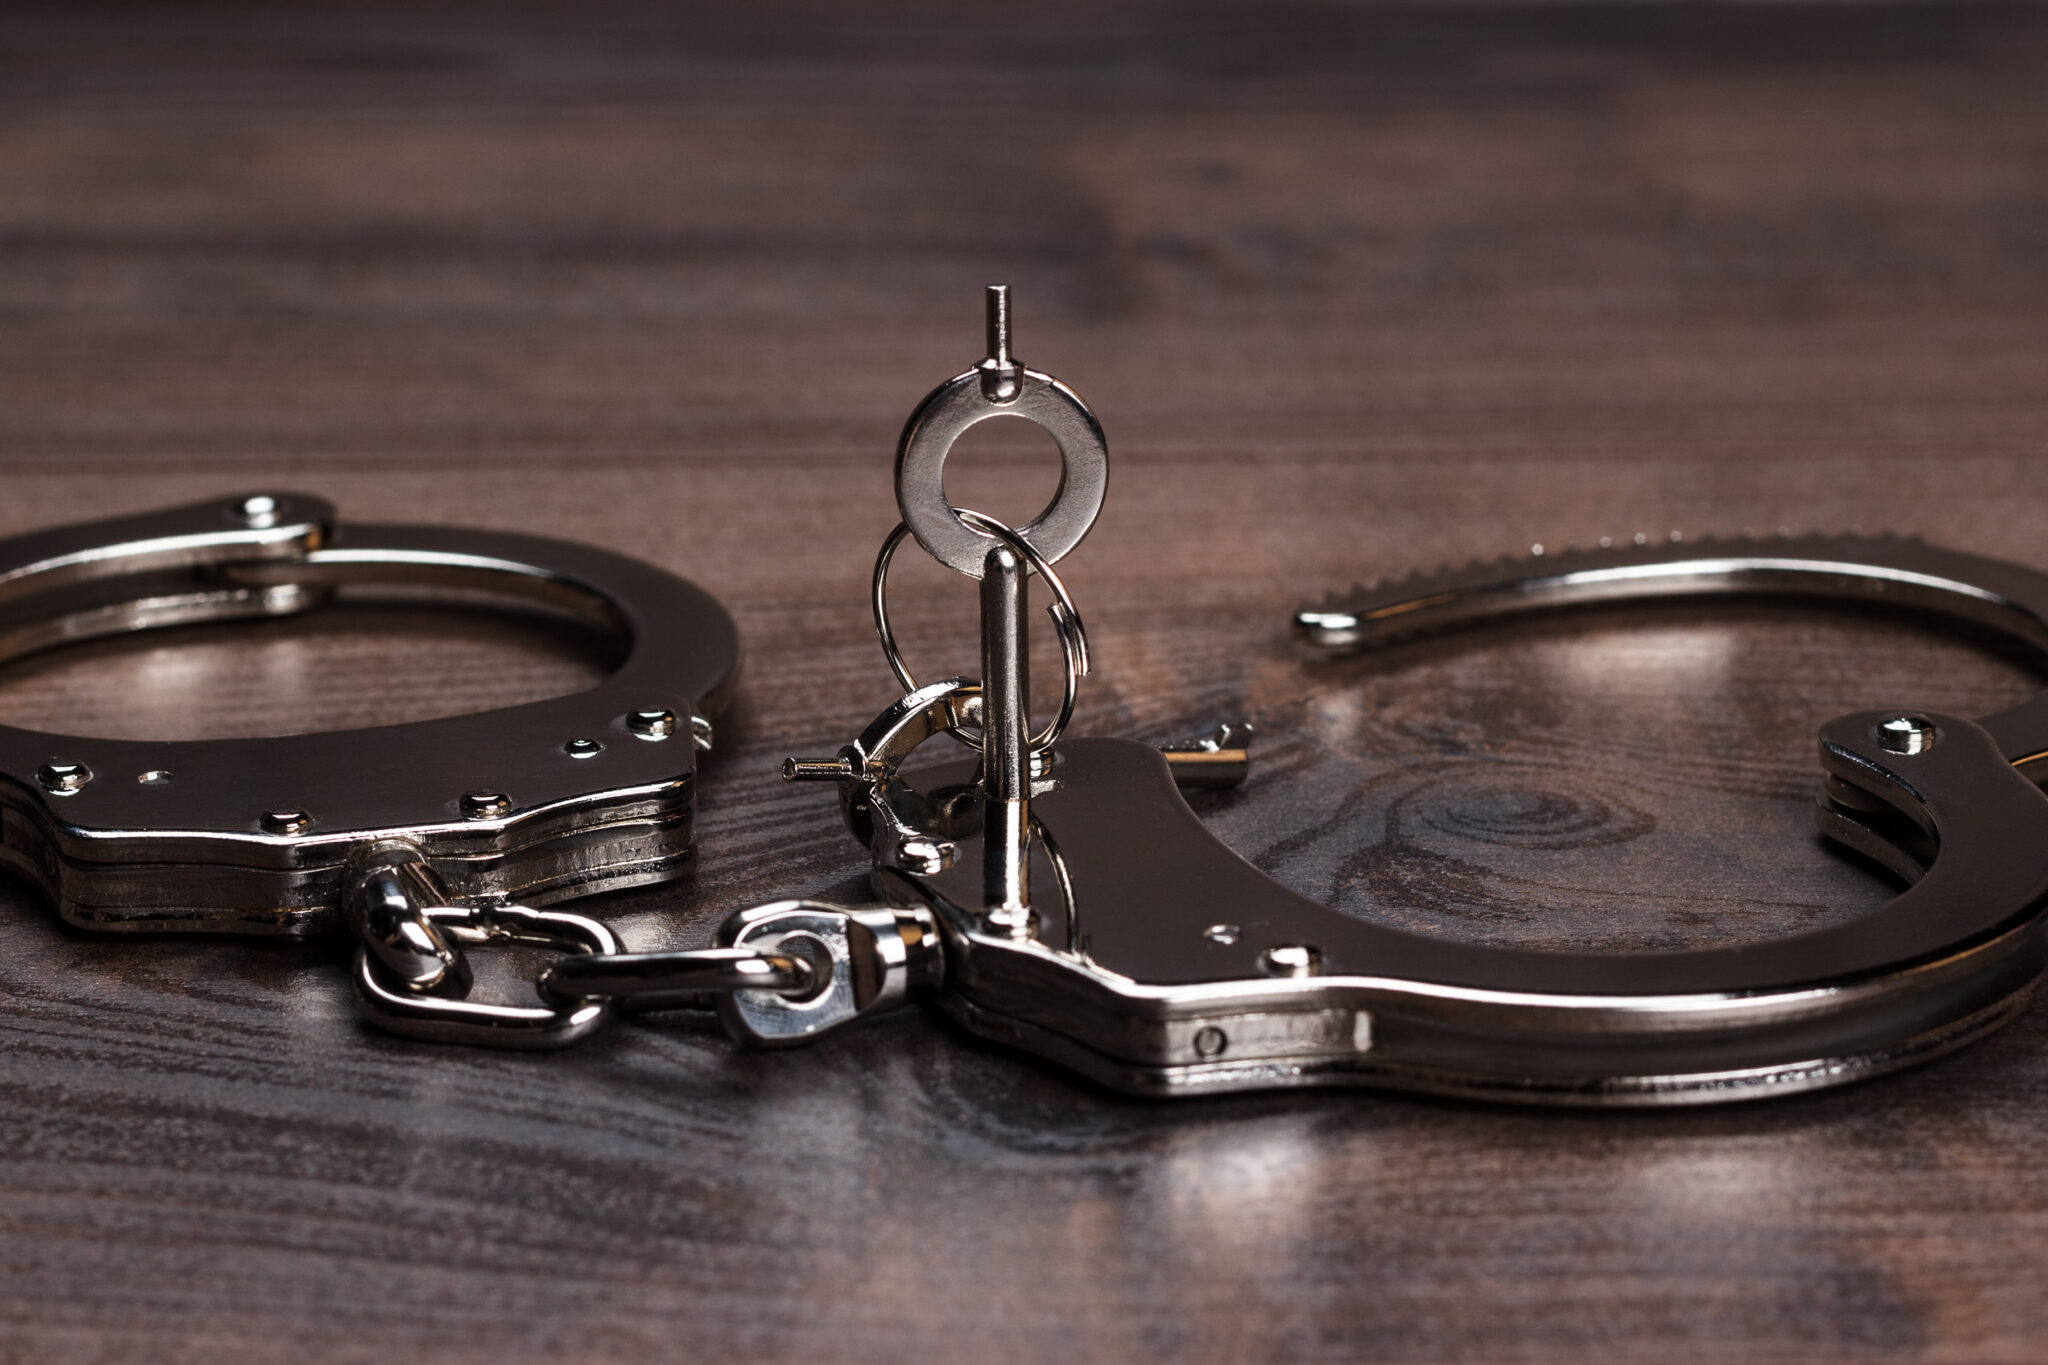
(999, 387)
(1065, 619)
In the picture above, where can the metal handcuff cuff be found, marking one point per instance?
(1056, 895)
(1069, 903)
(420, 837)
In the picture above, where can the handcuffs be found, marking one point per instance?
(1054, 895)
(419, 837)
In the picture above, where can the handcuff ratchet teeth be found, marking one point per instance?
(418, 836)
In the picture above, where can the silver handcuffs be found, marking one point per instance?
(1152, 959)
(1161, 963)
(1055, 895)
(420, 837)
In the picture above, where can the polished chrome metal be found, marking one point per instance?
(1000, 374)
(691, 979)
(1005, 762)
(1176, 935)
(1130, 945)
(657, 723)
(949, 704)
(1159, 962)
(1066, 620)
(258, 510)
(63, 779)
(1291, 959)
(927, 855)
(872, 959)
(1896, 573)
(839, 768)
(1005, 678)
(386, 899)
(701, 733)
(1886, 570)
(583, 748)
(397, 1008)
(482, 805)
(1220, 758)
(998, 387)
(254, 835)
(1907, 734)
(166, 564)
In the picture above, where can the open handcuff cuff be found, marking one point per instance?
(1056, 895)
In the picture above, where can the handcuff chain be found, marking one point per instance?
(412, 976)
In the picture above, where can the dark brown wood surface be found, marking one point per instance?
(1355, 290)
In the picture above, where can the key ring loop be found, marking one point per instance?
(1065, 618)
(999, 387)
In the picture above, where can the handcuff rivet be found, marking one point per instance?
(1211, 1041)
(927, 856)
(583, 748)
(656, 724)
(285, 821)
(258, 510)
(1906, 734)
(482, 805)
(155, 777)
(1291, 959)
(1225, 934)
(62, 779)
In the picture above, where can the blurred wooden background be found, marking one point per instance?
(1355, 290)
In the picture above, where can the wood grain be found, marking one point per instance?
(1356, 290)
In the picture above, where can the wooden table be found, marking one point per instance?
(1355, 291)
